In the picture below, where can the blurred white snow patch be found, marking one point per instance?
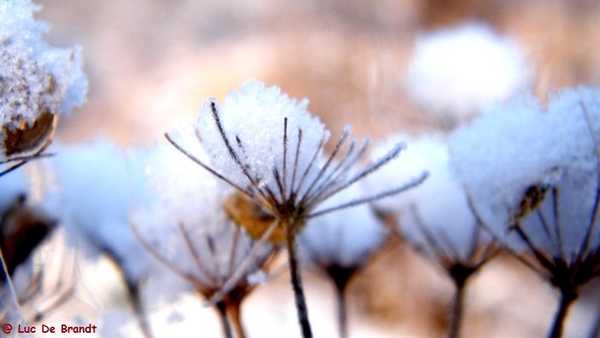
(12, 185)
(345, 238)
(438, 206)
(96, 186)
(455, 72)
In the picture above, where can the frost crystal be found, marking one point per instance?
(454, 72)
(36, 80)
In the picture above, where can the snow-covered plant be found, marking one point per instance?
(28, 288)
(454, 72)
(38, 82)
(340, 244)
(97, 183)
(270, 149)
(12, 186)
(435, 218)
(184, 225)
(533, 176)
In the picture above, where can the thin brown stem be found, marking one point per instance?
(296, 279)
(567, 297)
(457, 311)
(221, 308)
(235, 318)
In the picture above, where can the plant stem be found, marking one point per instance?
(8, 298)
(341, 277)
(235, 318)
(138, 308)
(457, 310)
(296, 279)
(460, 274)
(567, 297)
(222, 310)
(342, 312)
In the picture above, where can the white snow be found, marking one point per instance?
(255, 114)
(516, 146)
(346, 237)
(434, 216)
(454, 72)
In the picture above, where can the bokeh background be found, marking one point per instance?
(152, 63)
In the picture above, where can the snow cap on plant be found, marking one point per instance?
(270, 148)
(183, 224)
(38, 82)
(346, 238)
(435, 217)
(538, 186)
(454, 72)
(97, 184)
(538, 169)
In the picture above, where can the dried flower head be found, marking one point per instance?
(539, 192)
(341, 244)
(435, 218)
(270, 148)
(31, 284)
(38, 82)
(184, 225)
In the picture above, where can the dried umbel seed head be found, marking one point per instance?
(29, 101)
(22, 229)
(37, 83)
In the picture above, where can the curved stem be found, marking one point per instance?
(457, 310)
(296, 280)
(235, 318)
(567, 297)
(222, 310)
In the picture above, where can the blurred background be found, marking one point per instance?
(152, 63)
